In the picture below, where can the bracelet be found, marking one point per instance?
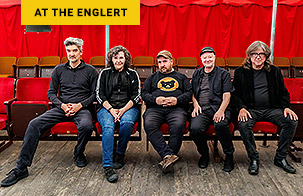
(109, 108)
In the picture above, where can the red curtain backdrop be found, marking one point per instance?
(180, 27)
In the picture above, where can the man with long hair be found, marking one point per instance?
(260, 95)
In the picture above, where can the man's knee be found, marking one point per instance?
(85, 125)
(221, 125)
(291, 123)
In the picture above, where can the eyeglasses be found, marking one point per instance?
(255, 55)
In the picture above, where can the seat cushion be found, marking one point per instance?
(265, 127)
(64, 128)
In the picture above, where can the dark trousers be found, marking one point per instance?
(176, 119)
(201, 123)
(275, 116)
(39, 125)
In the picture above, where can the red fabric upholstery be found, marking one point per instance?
(32, 89)
(295, 88)
(6, 92)
(30, 102)
(64, 128)
(265, 127)
(211, 130)
(2, 121)
(165, 128)
(99, 128)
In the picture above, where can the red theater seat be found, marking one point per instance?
(64, 128)
(6, 93)
(31, 101)
(265, 127)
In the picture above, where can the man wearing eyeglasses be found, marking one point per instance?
(260, 95)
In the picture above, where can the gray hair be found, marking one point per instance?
(254, 47)
(74, 41)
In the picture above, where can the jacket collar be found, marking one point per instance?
(80, 66)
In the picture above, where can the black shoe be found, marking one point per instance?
(14, 176)
(203, 161)
(119, 161)
(110, 174)
(284, 165)
(80, 160)
(228, 163)
(253, 168)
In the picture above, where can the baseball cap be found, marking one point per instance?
(207, 49)
(165, 54)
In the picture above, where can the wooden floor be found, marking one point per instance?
(53, 173)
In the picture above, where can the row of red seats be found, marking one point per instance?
(31, 100)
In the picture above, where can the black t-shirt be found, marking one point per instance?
(261, 90)
(119, 97)
(204, 93)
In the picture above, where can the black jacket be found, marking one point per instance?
(219, 83)
(243, 96)
(104, 87)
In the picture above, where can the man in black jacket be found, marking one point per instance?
(260, 95)
(77, 82)
(167, 94)
(211, 95)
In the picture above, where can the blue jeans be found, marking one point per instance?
(106, 120)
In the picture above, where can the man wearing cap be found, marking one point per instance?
(167, 94)
(212, 89)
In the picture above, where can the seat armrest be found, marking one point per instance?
(10, 101)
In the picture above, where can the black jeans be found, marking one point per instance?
(39, 125)
(201, 123)
(275, 116)
(176, 118)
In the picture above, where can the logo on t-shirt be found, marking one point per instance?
(168, 84)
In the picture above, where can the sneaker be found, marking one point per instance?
(80, 160)
(169, 162)
(203, 161)
(160, 164)
(119, 161)
(110, 174)
(14, 176)
(228, 163)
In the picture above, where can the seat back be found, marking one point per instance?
(26, 67)
(6, 92)
(232, 63)
(187, 65)
(98, 62)
(284, 64)
(47, 64)
(220, 62)
(32, 101)
(297, 64)
(64, 60)
(295, 89)
(32, 89)
(6, 68)
(144, 65)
